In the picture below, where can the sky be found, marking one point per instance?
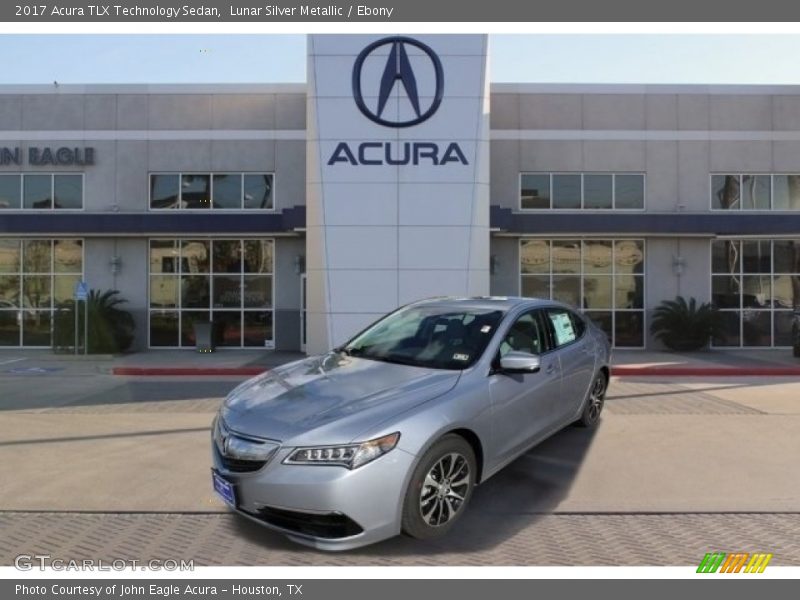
(268, 58)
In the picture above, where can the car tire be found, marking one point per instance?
(440, 488)
(595, 400)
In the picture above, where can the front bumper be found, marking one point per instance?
(326, 507)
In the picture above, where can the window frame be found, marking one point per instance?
(211, 174)
(740, 175)
(582, 207)
(52, 174)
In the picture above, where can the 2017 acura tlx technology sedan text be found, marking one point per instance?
(391, 431)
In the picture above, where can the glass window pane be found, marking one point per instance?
(257, 328)
(597, 256)
(628, 291)
(629, 329)
(164, 256)
(195, 191)
(64, 288)
(164, 291)
(535, 193)
(227, 256)
(786, 291)
(782, 328)
(258, 256)
(597, 290)
(164, 191)
(228, 190)
(629, 191)
(164, 328)
(9, 291)
(567, 289)
(603, 320)
(597, 191)
(258, 191)
(534, 256)
(10, 191)
(629, 256)
(756, 192)
(188, 319)
(9, 256)
(37, 192)
(756, 291)
(228, 328)
(566, 191)
(725, 291)
(786, 192)
(726, 256)
(786, 256)
(68, 256)
(258, 292)
(566, 256)
(36, 328)
(36, 256)
(227, 291)
(725, 192)
(10, 327)
(195, 291)
(729, 329)
(536, 286)
(756, 328)
(756, 256)
(195, 256)
(68, 191)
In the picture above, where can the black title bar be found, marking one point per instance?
(440, 11)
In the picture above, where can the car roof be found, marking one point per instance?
(503, 303)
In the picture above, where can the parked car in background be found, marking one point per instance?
(391, 431)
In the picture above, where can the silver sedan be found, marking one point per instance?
(392, 431)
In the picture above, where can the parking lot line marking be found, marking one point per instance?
(13, 360)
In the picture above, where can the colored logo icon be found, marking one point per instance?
(398, 73)
(735, 562)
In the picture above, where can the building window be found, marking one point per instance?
(221, 191)
(225, 281)
(755, 192)
(603, 278)
(591, 191)
(36, 277)
(756, 286)
(41, 191)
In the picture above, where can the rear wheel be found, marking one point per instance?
(440, 488)
(594, 402)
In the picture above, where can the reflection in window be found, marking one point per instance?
(597, 191)
(37, 191)
(164, 191)
(535, 191)
(258, 191)
(604, 278)
(570, 191)
(227, 282)
(566, 191)
(756, 285)
(223, 191)
(10, 191)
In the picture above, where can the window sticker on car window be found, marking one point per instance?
(562, 324)
(486, 329)
(459, 356)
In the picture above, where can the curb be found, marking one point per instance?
(618, 371)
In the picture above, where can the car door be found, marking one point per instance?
(524, 405)
(576, 354)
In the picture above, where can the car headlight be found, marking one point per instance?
(351, 456)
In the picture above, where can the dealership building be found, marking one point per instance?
(291, 215)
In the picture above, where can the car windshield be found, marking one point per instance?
(438, 337)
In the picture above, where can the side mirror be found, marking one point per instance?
(520, 362)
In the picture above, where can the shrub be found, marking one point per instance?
(110, 328)
(683, 326)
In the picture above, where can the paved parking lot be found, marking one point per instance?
(676, 468)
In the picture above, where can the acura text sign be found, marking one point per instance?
(397, 176)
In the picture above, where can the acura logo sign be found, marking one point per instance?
(398, 72)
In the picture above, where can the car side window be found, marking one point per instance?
(563, 326)
(525, 335)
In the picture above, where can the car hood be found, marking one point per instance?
(330, 399)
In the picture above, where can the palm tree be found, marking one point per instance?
(684, 326)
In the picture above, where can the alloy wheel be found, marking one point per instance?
(596, 397)
(444, 489)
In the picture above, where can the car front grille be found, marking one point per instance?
(235, 465)
(239, 453)
(327, 525)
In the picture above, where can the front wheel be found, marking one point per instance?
(594, 402)
(440, 488)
